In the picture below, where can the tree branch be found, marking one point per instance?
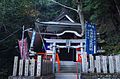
(64, 6)
(117, 7)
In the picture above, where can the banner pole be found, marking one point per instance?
(23, 41)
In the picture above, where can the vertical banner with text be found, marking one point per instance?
(90, 38)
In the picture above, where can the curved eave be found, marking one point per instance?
(60, 23)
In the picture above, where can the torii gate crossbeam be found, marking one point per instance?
(54, 43)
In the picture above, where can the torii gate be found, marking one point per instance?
(54, 43)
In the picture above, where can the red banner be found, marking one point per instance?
(23, 46)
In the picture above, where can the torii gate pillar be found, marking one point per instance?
(54, 56)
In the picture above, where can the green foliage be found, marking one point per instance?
(15, 12)
(95, 9)
(13, 15)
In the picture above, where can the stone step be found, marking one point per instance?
(68, 67)
(65, 76)
(67, 71)
(64, 68)
(68, 63)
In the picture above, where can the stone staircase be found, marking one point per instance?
(65, 76)
(67, 70)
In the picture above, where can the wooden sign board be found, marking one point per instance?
(32, 67)
(21, 67)
(98, 64)
(104, 64)
(117, 63)
(39, 65)
(111, 64)
(84, 62)
(26, 67)
(91, 58)
(15, 66)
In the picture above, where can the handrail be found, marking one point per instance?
(77, 71)
(58, 60)
(77, 67)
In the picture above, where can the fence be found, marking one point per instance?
(31, 68)
(93, 67)
(100, 66)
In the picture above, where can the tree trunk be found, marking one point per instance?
(80, 13)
